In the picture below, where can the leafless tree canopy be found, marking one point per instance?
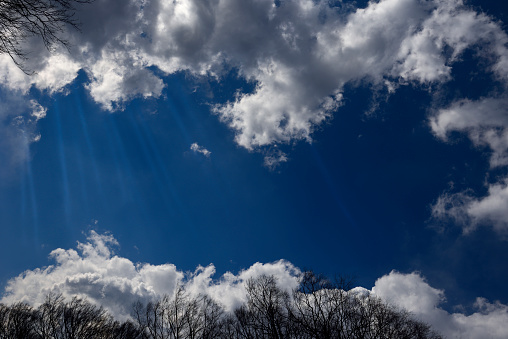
(58, 319)
(47, 19)
(318, 309)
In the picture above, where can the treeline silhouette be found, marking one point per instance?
(319, 308)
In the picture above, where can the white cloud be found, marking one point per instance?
(466, 115)
(116, 78)
(12, 77)
(412, 292)
(409, 291)
(486, 123)
(95, 272)
(18, 127)
(300, 53)
(200, 149)
(59, 71)
(470, 211)
(38, 111)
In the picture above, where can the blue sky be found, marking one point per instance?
(349, 139)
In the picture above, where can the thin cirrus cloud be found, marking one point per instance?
(93, 271)
(299, 54)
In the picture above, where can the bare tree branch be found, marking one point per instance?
(46, 19)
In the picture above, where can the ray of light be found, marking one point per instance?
(82, 181)
(63, 163)
(155, 163)
(23, 194)
(120, 158)
(91, 152)
(30, 187)
(174, 110)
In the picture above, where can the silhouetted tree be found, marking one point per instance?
(180, 316)
(265, 313)
(17, 322)
(46, 19)
(125, 330)
(58, 319)
(318, 309)
(325, 309)
(212, 318)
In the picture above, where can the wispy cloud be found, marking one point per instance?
(95, 272)
(469, 211)
(200, 149)
(485, 122)
(18, 127)
(274, 158)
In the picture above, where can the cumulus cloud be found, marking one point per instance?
(200, 149)
(413, 293)
(95, 272)
(297, 54)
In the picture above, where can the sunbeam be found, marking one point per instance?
(30, 187)
(63, 163)
(157, 167)
(91, 152)
(120, 159)
(175, 112)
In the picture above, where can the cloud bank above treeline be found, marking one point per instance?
(94, 272)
